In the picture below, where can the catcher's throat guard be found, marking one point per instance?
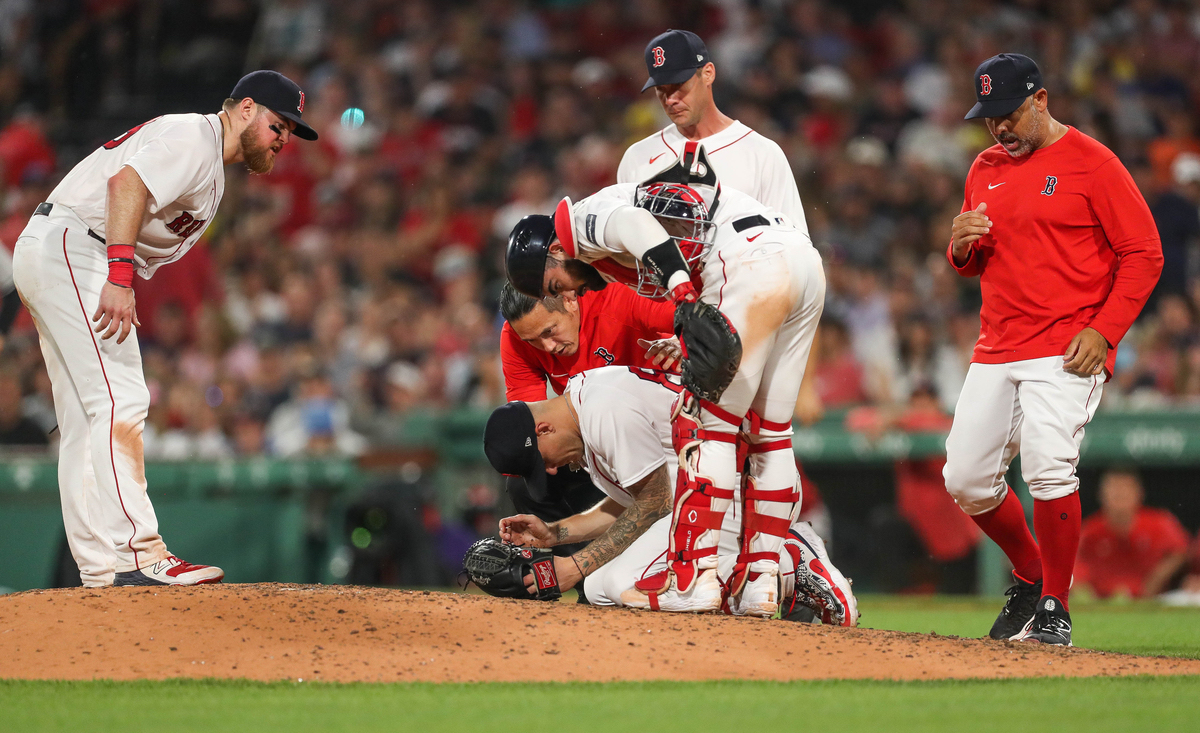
(499, 569)
(683, 198)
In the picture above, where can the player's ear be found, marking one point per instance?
(709, 73)
(556, 248)
(544, 428)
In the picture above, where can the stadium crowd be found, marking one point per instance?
(344, 299)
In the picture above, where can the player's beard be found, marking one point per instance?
(259, 158)
(1029, 141)
(579, 270)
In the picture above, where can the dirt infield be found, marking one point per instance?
(337, 633)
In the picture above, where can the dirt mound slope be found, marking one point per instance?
(343, 633)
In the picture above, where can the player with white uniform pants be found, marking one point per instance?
(763, 274)
(682, 76)
(138, 202)
(617, 422)
(680, 70)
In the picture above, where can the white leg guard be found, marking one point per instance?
(703, 493)
(811, 580)
(770, 499)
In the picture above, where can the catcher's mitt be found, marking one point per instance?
(712, 349)
(499, 569)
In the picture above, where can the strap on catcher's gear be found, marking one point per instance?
(499, 569)
(695, 508)
(755, 522)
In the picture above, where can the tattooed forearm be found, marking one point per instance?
(561, 533)
(653, 503)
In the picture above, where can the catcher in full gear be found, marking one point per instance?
(617, 423)
(750, 290)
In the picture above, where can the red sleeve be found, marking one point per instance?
(647, 315)
(1130, 229)
(1172, 536)
(972, 266)
(524, 378)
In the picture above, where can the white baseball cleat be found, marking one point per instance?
(703, 596)
(171, 571)
(817, 583)
(759, 596)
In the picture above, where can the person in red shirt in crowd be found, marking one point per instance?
(1127, 547)
(1067, 253)
(947, 535)
(552, 339)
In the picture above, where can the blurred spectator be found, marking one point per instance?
(314, 422)
(947, 536)
(1127, 548)
(1191, 582)
(839, 378)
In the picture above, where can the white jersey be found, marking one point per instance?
(180, 158)
(625, 420)
(743, 159)
(736, 214)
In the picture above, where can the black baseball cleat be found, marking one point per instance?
(1051, 624)
(1017, 615)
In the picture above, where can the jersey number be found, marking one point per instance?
(122, 138)
(185, 225)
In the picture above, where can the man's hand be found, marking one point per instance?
(526, 530)
(968, 227)
(567, 572)
(116, 312)
(666, 351)
(1086, 353)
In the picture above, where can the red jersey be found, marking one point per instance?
(1072, 245)
(610, 323)
(1111, 562)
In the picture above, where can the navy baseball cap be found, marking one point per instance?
(277, 93)
(673, 57)
(511, 446)
(1002, 83)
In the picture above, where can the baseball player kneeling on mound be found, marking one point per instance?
(680, 234)
(617, 422)
(138, 202)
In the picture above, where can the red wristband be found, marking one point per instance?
(684, 293)
(120, 265)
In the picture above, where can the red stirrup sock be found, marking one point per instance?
(1057, 524)
(1006, 526)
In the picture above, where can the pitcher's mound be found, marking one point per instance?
(342, 633)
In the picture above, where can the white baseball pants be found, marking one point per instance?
(100, 399)
(1034, 407)
(772, 289)
(647, 556)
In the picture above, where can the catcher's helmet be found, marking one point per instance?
(525, 257)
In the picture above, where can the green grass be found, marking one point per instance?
(1132, 627)
(1094, 706)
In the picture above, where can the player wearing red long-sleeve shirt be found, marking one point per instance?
(1067, 254)
(552, 339)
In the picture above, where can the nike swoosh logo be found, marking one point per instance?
(991, 186)
(656, 158)
(756, 236)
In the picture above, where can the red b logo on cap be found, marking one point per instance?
(985, 84)
(300, 107)
(659, 57)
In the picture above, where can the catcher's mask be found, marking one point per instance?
(682, 212)
(525, 258)
(683, 197)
